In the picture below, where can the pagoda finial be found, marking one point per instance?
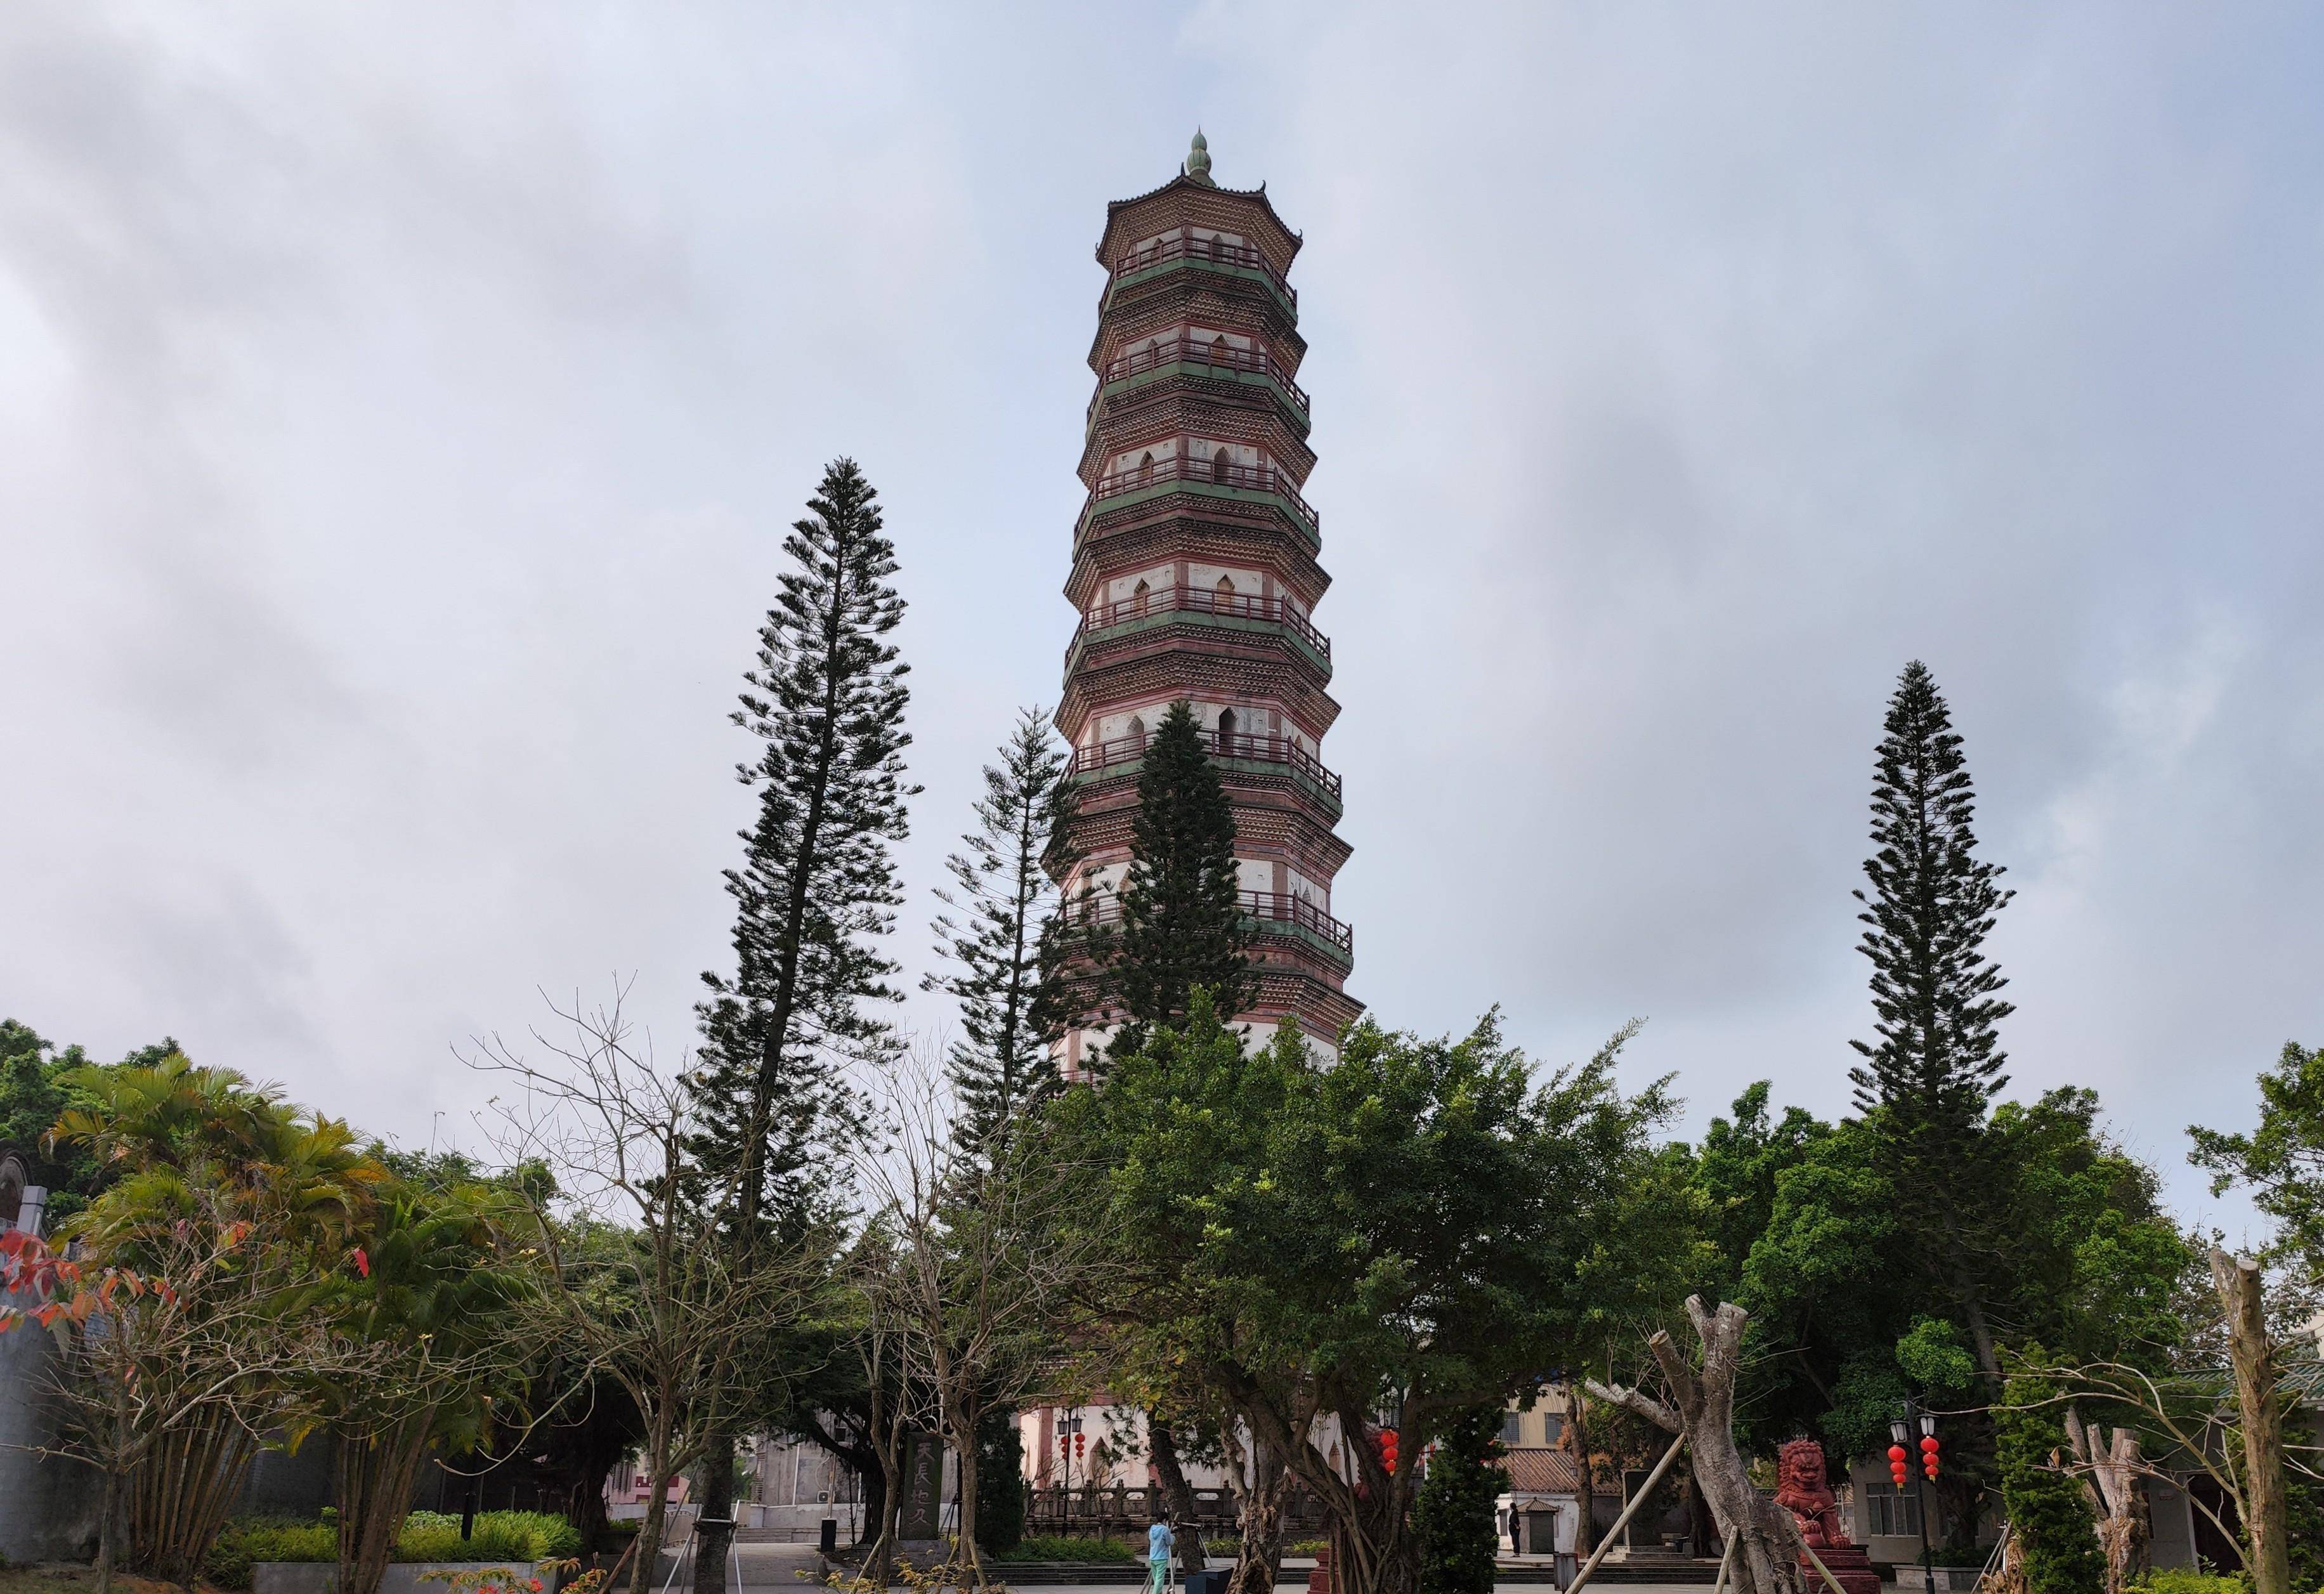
(1198, 162)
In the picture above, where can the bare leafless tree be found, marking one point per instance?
(636, 1271)
(985, 1277)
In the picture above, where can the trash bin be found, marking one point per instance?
(1213, 1581)
(829, 1543)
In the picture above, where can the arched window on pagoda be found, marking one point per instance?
(1226, 732)
(1221, 463)
(1140, 594)
(1146, 468)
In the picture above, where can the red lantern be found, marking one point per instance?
(1929, 1455)
(1896, 1468)
(1388, 1450)
(1079, 1444)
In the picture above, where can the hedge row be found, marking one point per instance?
(528, 1536)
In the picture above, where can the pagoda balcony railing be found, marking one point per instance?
(1216, 472)
(1216, 252)
(1268, 907)
(1256, 749)
(1196, 599)
(1196, 351)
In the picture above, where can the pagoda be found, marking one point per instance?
(1195, 577)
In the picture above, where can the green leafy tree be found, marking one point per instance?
(224, 1204)
(1841, 1334)
(1453, 1515)
(1000, 933)
(1183, 925)
(34, 1093)
(2282, 1162)
(815, 890)
(1927, 1081)
(2049, 1509)
(1739, 1171)
(425, 1343)
(1417, 1223)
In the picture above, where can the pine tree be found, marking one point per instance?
(1925, 1086)
(1183, 925)
(1001, 937)
(1933, 903)
(815, 889)
(1452, 1517)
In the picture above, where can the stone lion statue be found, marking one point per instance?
(1800, 1490)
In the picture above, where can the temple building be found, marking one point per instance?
(1195, 574)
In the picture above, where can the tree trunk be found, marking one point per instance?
(1585, 1531)
(1763, 1539)
(1164, 1446)
(2114, 1466)
(108, 1521)
(880, 1560)
(181, 1493)
(1259, 1553)
(967, 1556)
(874, 1482)
(2264, 1514)
(650, 1531)
(1372, 1550)
(375, 1469)
(716, 1496)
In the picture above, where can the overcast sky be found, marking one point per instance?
(401, 406)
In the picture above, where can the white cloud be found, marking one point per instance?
(399, 411)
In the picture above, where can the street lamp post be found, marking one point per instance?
(1900, 1431)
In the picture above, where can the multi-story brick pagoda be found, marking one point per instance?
(1195, 571)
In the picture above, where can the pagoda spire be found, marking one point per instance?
(1198, 162)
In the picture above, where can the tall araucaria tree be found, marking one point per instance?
(1927, 1081)
(1000, 934)
(816, 890)
(1183, 926)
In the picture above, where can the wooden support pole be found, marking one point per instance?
(1623, 1521)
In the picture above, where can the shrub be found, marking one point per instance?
(1058, 1549)
(248, 1540)
(522, 1537)
(2187, 1580)
(494, 1539)
(553, 1538)
(2050, 1514)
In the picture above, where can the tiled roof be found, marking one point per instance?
(1534, 1469)
(1183, 181)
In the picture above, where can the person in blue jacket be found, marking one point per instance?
(1161, 1543)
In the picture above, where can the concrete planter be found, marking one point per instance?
(404, 1577)
(1950, 1580)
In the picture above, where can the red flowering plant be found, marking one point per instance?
(184, 1302)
